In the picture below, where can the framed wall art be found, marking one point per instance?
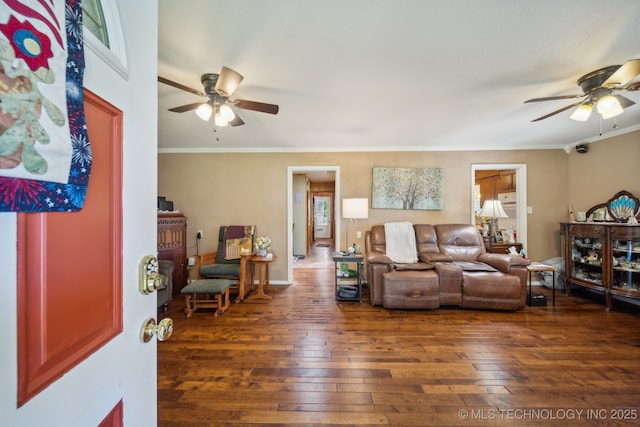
(407, 188)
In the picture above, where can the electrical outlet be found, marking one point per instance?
(529, 209)
(199, 235)
(358, 234)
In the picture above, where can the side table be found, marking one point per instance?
(539, 267)
(262, 264)
(343, 284)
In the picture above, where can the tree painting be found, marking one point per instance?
(407, 188)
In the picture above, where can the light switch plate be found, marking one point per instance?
(358, 234)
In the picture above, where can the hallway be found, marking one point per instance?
(319, 255)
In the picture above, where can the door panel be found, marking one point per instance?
(70, 267)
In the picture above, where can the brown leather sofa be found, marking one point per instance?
(453, 268)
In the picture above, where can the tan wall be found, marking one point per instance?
(609, 166)
(222, 188)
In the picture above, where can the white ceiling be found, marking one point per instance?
(381, 75)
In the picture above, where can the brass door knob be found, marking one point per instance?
(163, 330)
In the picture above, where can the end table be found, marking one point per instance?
(539, 267)
(343, 281)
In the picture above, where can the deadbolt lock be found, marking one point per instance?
(163, 330)
(149, 276)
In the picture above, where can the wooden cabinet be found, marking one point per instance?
(172, 246)
(604, 257)
(506, 181)
(494, 182)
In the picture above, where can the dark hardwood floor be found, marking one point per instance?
(302, 359)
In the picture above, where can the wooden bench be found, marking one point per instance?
(207, 293)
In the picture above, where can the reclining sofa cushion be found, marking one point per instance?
(427, 244)
(411, 289)
(462, 242)
(495, 291)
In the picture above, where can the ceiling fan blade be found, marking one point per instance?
(627, 72)
(187, 107)
(237, 121)
(553, 98)
(228, 82)
(180, 86)
(557, 111)
(256, 106)
(624, 102)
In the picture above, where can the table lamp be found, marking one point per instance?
(492, 209)
(352, 210)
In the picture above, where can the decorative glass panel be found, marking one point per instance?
(94, 20)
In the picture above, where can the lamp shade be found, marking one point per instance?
(228, 81)
(204, 111)
(226, 112)
(609, 106)
(582, 113)
(220, 121)
(355, 208)
(492, 209)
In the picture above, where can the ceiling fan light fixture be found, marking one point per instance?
(582, 113)
(609, 106)
(226, 112)
(204, 111)
(220, 121)
(228, 81)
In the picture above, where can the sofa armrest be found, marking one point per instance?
(378, 258)
(503, 262)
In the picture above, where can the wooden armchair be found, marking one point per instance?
(217, 265)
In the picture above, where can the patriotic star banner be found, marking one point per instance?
(45, 156)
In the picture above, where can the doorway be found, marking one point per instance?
(302, 201)
(516, 189)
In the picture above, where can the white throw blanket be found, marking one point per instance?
(401, 242)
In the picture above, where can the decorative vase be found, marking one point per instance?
(262, 252)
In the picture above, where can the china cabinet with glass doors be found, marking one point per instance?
(603, 252)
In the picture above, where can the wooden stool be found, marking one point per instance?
(207, 293)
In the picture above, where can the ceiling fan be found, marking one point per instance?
(598, 89)
(217, 89)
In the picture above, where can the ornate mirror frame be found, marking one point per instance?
(622, 206)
